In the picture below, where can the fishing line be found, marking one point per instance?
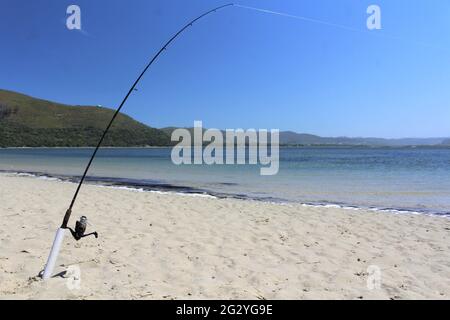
(298, 17)
(340, 26)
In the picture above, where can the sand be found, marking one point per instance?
(169, 246)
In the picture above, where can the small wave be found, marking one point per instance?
(23, 174)
(35, 175)
(124, 188)
(376, 209)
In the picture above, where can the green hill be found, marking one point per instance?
(29, 122)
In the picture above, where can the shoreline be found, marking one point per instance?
(157, 186)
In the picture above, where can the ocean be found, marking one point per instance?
(414, 180)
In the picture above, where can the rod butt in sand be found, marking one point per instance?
(48, 271)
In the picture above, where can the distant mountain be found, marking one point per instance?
(29, 122)
(292, 138)
(446, 142)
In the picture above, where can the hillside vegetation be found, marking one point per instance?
(29, 122)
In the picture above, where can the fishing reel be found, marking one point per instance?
(80, 229)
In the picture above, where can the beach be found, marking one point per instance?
(155, 245)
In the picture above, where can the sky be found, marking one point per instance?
(240, 68)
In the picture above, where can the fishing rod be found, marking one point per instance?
(81, 225)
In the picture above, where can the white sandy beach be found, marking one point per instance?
(167, 246)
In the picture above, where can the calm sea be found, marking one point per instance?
(410, 179)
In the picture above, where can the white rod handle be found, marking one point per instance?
(48, 271)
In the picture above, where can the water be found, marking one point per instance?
(411, 179)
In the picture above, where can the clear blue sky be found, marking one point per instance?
(240, 68)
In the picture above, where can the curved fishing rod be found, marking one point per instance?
(69, 211)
